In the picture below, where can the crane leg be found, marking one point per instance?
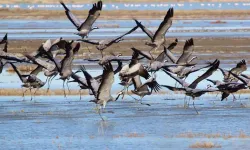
(143, 103)
(80, 94)
(23, 93)
(195, 109)
(35, 92)
(189, 101)
(185, 103)
(64, 89)
(234, 98)
(30, 95)
(51, 81)
(67, 83)
(48, 84)
(99, 112)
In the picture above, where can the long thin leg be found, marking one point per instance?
(51, 81)
(142, 102)
(189, 101)
(99, 112)
(67, 83)
(185, 103)
(48, 84)
(35, 92)
(30, 94)
(24, 92)
(234, 98)
(80, 94)
(195, 109)
(64, 89)
(133, 97)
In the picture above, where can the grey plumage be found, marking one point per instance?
(85, 27)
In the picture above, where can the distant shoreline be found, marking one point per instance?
(109, 1)
(127, 14)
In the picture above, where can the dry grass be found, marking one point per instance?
(134, 135)
(19, 92)
(218, 22)
(241, 134)
(130, 135)
(124, 14)
(204, 144)
(107, 1)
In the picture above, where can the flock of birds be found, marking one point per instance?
(178, 68)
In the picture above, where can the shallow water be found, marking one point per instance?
(44, 29)
(138, 6)
(11, 80)
(55, 122)
(58, 123)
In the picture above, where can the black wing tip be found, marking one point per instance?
(176, 40)
(5, 39)
(156, 86)
(77, 47)
(189, 42)
(241, 63)
(97, 6)
(5, 36)
(64, 6)
(170, 12)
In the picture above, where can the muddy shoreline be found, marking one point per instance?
(126, 14)
(108, 1)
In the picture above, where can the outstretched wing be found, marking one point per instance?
(37, 70)
(92, 83)
(16, 70)
(170, 55)
(121, 36)
(94, 13)
(143, 53)
(5, 39)
(205, 75)
(71, 16)
(42, 63)
(144, 29)
(165, 25)
(153, 85)
(161, 57)
(173, 88)
(104, 91)
(187, 51)
(182, 82)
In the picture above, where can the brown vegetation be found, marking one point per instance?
(125, 14)
(204, 145)
(218, 22)
(212, 135)
(19, 92)
(107, 1)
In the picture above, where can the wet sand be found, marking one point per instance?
(126, 14)
(112, 1)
